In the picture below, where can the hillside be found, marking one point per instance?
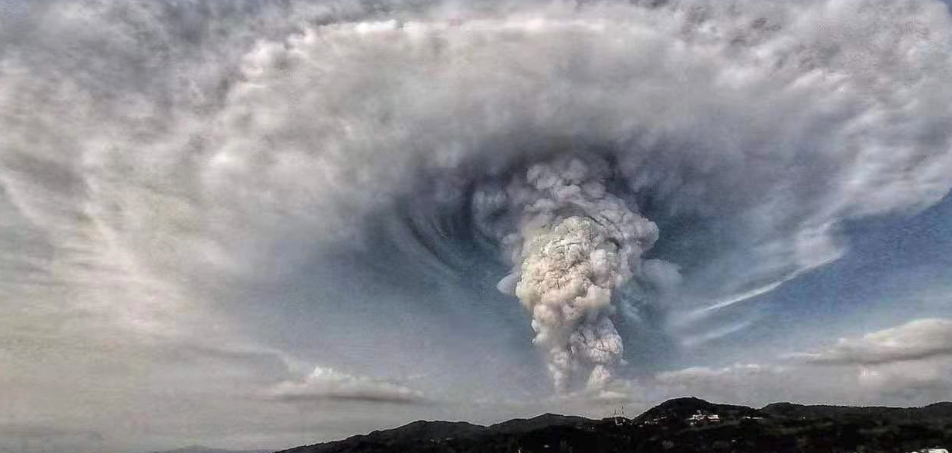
(683, 425)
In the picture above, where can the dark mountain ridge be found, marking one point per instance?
(943, 409)
(682, 425)
(683, 408)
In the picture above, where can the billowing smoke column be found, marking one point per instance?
(573, 244)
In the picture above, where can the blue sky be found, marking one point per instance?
(896, 270)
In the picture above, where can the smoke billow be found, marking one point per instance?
(686, 154)
(573, 244)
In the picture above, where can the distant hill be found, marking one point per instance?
(683, 408)
(683, 425)
(933, 411)
(521, 425)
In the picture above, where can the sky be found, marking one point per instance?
(267, 224)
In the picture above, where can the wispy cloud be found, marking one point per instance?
(904, 365)
(916, 340)
(178, 180)
(329, 384)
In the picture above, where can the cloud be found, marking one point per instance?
(329, 384)
(237, 143)
(907, 364)
(921, 380)
(168, 167)
(910, 362)
(744, 382)
(691, 377)
(25, 431)
(26, 437)
(916, 340)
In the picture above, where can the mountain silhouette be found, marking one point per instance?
(682, 425)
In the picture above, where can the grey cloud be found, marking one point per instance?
(160, 161)
(766, 137)
(907, 364)
(748, 383)
(916, 383)
(27, 431)
(29, 438)
(916, 340)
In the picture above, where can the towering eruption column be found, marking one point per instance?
(575, 243)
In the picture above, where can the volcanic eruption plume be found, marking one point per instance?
(573, 244)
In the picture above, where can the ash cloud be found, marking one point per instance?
(572, 244)
(165, 153)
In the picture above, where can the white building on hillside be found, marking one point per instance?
(702, 419)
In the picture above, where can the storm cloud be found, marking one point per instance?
(303, 187)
